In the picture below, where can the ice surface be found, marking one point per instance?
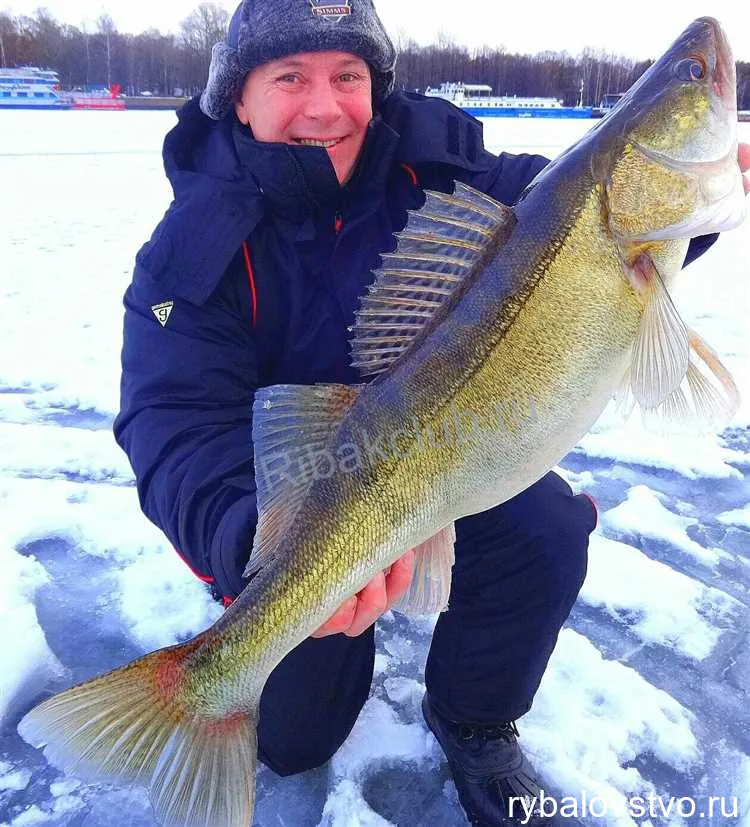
(646, 693)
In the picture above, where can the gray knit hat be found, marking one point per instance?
(265, 30)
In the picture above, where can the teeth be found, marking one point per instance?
(313, 142)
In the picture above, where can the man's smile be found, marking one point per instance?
(326, 144)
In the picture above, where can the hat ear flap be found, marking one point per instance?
(382, 85)
(225, 79)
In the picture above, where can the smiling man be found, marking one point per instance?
(290, 178)
(321, 99)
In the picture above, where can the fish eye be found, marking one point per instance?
(691, 68)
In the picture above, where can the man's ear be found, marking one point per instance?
(239, 108)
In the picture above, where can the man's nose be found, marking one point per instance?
(322, 102)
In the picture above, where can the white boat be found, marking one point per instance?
(30, 87)
(478, 99)
(608, 103)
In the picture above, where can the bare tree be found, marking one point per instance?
(198, 33)
(7, 28)
(106, 27)
(205, 26)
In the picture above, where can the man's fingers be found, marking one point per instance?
(371, 603)
(361, 610)
(398, 579)
(743, 156)
(340, 621)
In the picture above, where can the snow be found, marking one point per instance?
(738, 516)
(629, 587)
(646, 691)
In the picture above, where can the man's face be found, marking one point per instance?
(314, 98)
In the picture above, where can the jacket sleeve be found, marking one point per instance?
(513, 173)
(185, 422)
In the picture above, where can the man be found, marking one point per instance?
(289, 180)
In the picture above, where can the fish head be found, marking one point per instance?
(673, 171)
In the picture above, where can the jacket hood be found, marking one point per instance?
(224, 181)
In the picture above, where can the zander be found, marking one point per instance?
(496, 337)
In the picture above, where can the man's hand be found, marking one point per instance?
(361, 610)
(743, 156)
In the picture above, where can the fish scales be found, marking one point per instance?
(368, 510)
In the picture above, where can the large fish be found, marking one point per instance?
(496, 337)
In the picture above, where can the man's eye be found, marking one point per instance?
(349, 77)
(287, 78)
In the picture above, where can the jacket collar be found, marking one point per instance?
(298, 182)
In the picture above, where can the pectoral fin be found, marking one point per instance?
(706, 399)
(674, 375)
(661, 351)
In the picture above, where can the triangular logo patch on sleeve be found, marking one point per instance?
(162, 312)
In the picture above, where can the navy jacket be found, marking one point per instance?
(188, 385)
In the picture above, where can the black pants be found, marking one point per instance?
(519, 568)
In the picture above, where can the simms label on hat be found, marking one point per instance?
(331, 11)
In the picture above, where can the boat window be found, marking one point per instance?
(23, 94)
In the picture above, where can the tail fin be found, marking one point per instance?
(129, 725)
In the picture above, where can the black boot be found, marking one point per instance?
(489, 770)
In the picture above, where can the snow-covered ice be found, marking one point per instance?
(647, 691)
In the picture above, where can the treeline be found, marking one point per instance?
(167, 64)
(585, 78)
(163, 64)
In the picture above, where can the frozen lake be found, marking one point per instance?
(647, 693)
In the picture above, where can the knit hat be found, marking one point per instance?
(265, 30)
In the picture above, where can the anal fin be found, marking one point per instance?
(431, 584)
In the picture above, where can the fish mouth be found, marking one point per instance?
(709, 166)
(724, 72)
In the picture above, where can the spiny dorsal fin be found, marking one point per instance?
(437, 252)
(292, 425)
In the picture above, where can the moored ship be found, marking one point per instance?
(101, 99)
(29, 87)
(479, 100)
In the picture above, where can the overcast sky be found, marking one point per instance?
(636, 28)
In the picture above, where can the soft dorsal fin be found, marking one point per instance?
(292, 425)
(437, 252)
